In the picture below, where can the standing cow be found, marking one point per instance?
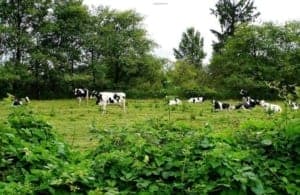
(105, 98)
(81, 93)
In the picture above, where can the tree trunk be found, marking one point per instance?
(93, 69)
(18, 49)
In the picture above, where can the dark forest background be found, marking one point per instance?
(47, 48)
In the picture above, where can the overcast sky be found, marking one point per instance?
(166, 20)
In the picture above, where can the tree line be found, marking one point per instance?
(49, 47)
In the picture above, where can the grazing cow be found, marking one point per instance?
(105, 98)
(175, 101)
(81, 93)
(22, 101)
(217, 105)
(270, 107)
(293, 105)
(196, 100)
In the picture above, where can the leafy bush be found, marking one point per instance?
(173, 158)
(34, 161)
(157, 157)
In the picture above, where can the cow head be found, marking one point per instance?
(244, 93)
(93, 94)
(98, 98)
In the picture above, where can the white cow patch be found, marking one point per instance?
(175, 101)
(293, 105)
(270, 107)
(196, 100)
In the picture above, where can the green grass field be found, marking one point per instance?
(152, 148)
(77, 123)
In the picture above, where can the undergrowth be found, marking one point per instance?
(156, 156)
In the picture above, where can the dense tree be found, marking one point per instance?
(230, 14)
(122, 45)
(22, 24)
(48, 46)
(71, 22)
(190, 48)
(186, 80)
(257, 55)
(15, 23)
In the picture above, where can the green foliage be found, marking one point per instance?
(51, 47)
(257, 55)
(230, 14)
(34, 161)
(172, 158)
(186, 80)
(190, 48)
(155, 156)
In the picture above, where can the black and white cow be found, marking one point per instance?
(81, 93)
(217, 105)
(196, 100)
(105, 98)
(175, 101)
(293, 105)
(247, 103)
(20, 101)
(269, 106)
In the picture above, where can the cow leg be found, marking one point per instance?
(87, 97)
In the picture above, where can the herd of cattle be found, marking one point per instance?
(105, 98)
(247, 103)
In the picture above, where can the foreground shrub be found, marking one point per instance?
(171, 158)
(34, 161)
(156, 157)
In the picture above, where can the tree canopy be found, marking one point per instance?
(230, 14)
(56, 46)
(259, 54)
(191, 48)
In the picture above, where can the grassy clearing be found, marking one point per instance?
(77, 124)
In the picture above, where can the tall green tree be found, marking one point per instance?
(230, 14)
(190, 48)
(18, 23)
(94, 43)
(71, 22)
(21, 24)
(257, 55)
(122, 44)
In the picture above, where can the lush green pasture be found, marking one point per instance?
(77, 124)
(150, 149)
